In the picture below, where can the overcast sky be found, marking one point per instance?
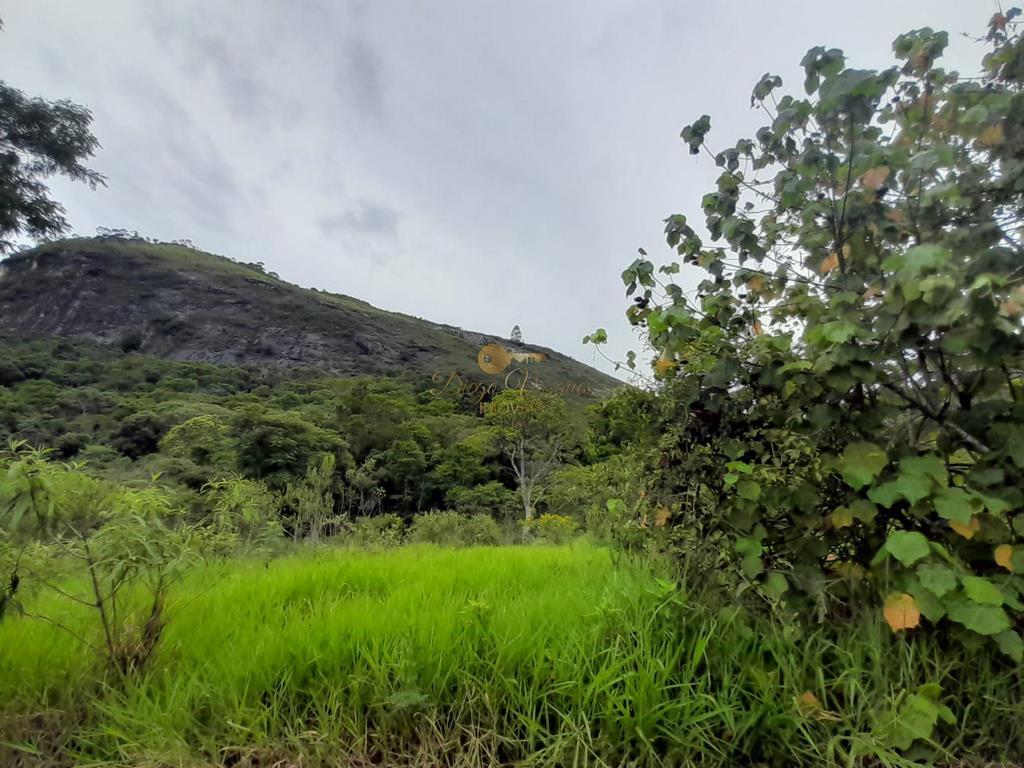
(473, 162)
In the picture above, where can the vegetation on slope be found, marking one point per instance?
(170, 300)
(394, 446)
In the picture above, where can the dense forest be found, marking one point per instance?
(367, 446)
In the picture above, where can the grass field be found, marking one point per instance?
(482, 656)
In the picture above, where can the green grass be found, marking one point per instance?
(484, 656)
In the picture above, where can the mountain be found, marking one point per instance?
(172, 301)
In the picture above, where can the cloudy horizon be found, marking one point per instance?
(477, 164)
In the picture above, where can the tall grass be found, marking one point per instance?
(484, 656)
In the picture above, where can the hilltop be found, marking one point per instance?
(176, 302)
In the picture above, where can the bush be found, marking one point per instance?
(244, 509)
(140, 434)
(842, 418)
(379, 531)
(118, 540)
(491, 498)
(450, 529)
(554, 529)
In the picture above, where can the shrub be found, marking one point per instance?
(450, 529)
(491, 498)
(140, 434)
(201, 439)
(130, 342)
(378, 531)
(584, 491)
(244, 509)
(481, 530)
(843, 409)
(554, 529)
(118, 540)
(313, 499)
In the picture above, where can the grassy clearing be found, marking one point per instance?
(482, 656)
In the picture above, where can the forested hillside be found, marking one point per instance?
(170, 300)
(398, 445)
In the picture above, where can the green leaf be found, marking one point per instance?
(913, 488)
(748, 545)
(929, 465)
(748, 489)
(861, 463)
(835, 331)
(1010, 643)
(751, 566)
(907, 546)
(981, 590)
(864, 510)
(936, 578)
(955, 504)
(983, 619)
(931, 607)
(775, 585)
(994, 505)
(1017, 560)
(915, 719)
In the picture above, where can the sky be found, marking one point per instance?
(471, 162)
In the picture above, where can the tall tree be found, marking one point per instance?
(39, 139)
(536, 435)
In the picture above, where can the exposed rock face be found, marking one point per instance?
(175, 302)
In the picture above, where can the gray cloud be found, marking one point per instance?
(526, 149)
(369, 219)
(359, 76)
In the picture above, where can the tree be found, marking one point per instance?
(365, 479)
(39, 139)
(274, 446)
(845, 393)
(244, 510)
(492, 498)
(535, 434)
(516, 335)
(313, 498)
(116, 541)
(406, 463)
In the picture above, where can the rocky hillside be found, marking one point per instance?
(176, 302)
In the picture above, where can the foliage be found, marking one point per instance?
(451, 529)
(379, 531)
(117, 543)
(276, 446)
(313, 499)
(128, 417)
(243, 509)
(553, 529)
(535, 434)
(491, 498)
(37, 140)
(582, 491)
(202, 440)
(843, 399)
